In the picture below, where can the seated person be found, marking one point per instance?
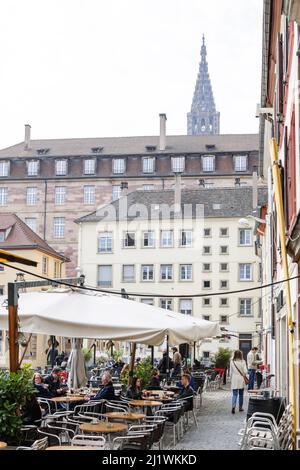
(107, 392)
(186, 392)
(192, 379)
(56, 388)
(134, 391)
(31, 412)
(41, 388)
(155, 380)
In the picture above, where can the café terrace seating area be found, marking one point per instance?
(158, 421)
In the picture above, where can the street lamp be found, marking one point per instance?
(245, 222)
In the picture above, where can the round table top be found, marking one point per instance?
(145, 403)
(125, 416)
(2, 444)
(103, 427)
(160, 392)
(65, 399)
(71, 448)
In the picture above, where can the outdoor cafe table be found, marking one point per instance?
(67, 400)
(103, 428)
(126, 416)
(71, 448)
(145, 403)
(160, 392)
(2, 444)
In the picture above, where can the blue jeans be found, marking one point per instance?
(252, 373)
(235, 393)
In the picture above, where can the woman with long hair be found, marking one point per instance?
(238, 374)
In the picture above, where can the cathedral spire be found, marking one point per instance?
(203, 118)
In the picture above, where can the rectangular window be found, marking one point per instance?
(186, 272)
(31, 196)
(2, 235)
(207, 232)
(206, 317)
(240, 163)
(178, 164)
(224, 250)
(61, 167)
(206, 284)
(33, 168)
(167, 304)
(129, 240)
(224, 267)
(166, 272)
(118, 166)
(224, 285)
(31, 222)
(128, 273)
(206, 302)
(245, 272)
(105, 275)
(208, 163)
(186, 306)
(207, 250)
(206, 267)
(57, 270)
(166, 238)
(59, 227)
(60, 195)
(148, 239)
(224, 232)
(224, 302)
(245, 307)
(45, 265)
(147, 272)
(147, 301)
(223, 319)
(3, 196)
(105, 242)
(148, 164)
(186, 238)
(89, 166)
(116, 192)
(89, 194)
(4, 169)
(245, 237)
(206, 354)
(148, 187)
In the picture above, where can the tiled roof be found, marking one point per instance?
(176, 144)
(21, 236)
(217, 202)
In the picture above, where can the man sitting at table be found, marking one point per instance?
(55, 388)
(186, 392)
(107, 392)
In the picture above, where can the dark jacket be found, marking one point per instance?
(53, 386)
(106, 393)
(154, 384)
(162, 366)
(134, 393)
(187, 393)
(31, 412)
(42, 391)
(192, 384)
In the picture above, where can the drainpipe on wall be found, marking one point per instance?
(45, 208)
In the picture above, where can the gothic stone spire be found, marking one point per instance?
(203, 118)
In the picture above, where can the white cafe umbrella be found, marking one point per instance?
(79, 314)
(76, 365)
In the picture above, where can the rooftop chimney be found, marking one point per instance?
(162, 131)
(177, 193)
(27, 136)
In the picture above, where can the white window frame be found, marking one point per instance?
(153, 239)
(226, 252)
(61, 167)
(186, 311)
(244, 231)
(132, 268)
(147, 301)
(178, 164)
(208, 163)
(240, 163)
(206, 270)
(148, 164)
(60, 195)
(89, 166)
(107, 246)
(125, 240)
(188, 238)
(3, 196)
(224, 288)
(169, 238)
(59, 227)
(227, 232)
(207, 236)
(226, 304)
(206, 288)
(45, 264)
(116, 192)
(165, 271)
(242, 277)
(243, 309)
(119, 166)
(106, 283)
(4, 168)
(204, 305)
(33, 167)
(224, 270)
(89, 194)
(148, 187)
(204, 252)
(187, 270)
(168, 303)
(31, 196)
(147, 269)
(226, 322)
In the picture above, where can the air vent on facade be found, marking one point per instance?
(210, 146)
(96, 149)
(150, 148)
(42, 151)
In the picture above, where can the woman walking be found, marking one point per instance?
(238, 374)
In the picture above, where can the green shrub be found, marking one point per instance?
(222, 358)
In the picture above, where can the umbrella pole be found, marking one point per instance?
(13, 327)
(168, 358)
(132, 359)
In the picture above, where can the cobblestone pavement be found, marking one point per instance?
(217, 427)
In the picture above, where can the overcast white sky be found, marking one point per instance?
(95, 68)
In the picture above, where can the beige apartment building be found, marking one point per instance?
(49, 183)
(174, 250)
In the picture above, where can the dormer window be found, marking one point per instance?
(42, 151)
(96, 149)
(150, 148)
(61, 167)
(208, 163)
(33, 168)
(89, 166)
(240, 162)
(4, 169)
(2, 235)
(118, 165)
(148, 164)
(178, 164)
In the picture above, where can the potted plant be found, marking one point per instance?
(15, 390)
(142, 370)
(221, 359)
